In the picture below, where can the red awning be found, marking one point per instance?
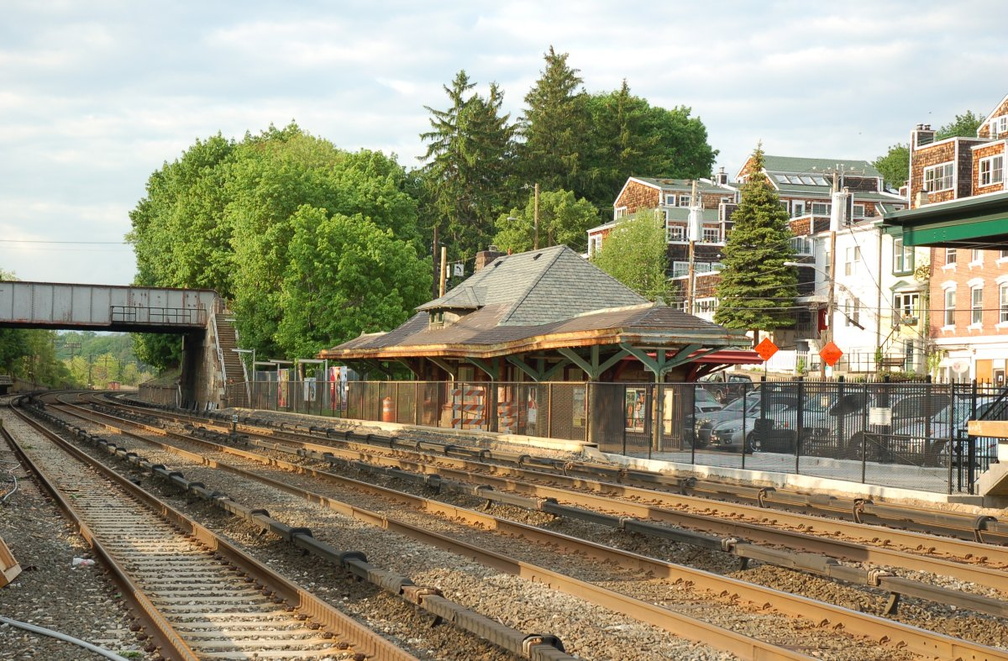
(730, 357)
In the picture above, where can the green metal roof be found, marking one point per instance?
(974, 222)
(796, 165)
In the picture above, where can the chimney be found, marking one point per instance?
(721, 177)
(485, 257)
(922, 135)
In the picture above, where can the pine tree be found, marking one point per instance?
(468, 167)
(756, 290)
(555, 127)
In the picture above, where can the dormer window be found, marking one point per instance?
(436, 319)
(999, 126)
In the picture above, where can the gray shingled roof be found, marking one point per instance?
(538, 287)
(530, 297)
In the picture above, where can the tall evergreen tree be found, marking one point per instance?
(756, 290)
(468, 167)
(555, 128)
(630, 137)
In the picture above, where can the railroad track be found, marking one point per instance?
(976, 562)
(985, 529)
(200, 597)
(918, 641)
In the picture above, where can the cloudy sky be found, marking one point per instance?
(97, 95)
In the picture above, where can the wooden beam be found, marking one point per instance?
(492, 371)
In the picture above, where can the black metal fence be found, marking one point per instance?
(892, 434)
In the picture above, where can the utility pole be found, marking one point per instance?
(535, 220)
(693, 235)
(838, 216)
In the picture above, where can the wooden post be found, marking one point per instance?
(9, 568)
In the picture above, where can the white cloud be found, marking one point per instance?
(94, 97)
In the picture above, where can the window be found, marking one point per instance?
(949, 319)
(684, 200)
(852, 312)
(858, 211)
(797, 208)
(938, 177)
(852, 257)
(594, 243)
(801, 245)
(976, 305)
(675, 233)
(1004, 255)
(1003, 304)
(680, 269)
(670, 199)
(976, 256)
(991, 170)
(705, 307)
(620, 212)
(906, 307)
(820, 209)
(998, 126)
(950, 255)
(711, 234)
(903, 257)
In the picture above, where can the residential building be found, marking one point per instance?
(968, 321)
(711, 201)
(806, 189)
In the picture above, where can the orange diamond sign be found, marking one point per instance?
(766, 349)
(830, 354)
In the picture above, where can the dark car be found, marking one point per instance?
(726, 386)
(751, 406)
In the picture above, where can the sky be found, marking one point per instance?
(96, 96)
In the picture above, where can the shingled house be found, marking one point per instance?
(952, 178)
(529, 320)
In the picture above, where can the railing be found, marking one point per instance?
(848, 431)
(132, 314)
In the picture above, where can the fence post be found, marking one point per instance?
(799, 424)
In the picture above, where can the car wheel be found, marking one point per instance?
(752, 442)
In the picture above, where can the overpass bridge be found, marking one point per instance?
(198, 315)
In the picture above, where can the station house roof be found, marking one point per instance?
(539, 300)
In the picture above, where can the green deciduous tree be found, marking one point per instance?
(635, 253)
(895, 165)
(240, 201)
(345, 276)
(756, 290)
(963, 126)
(563, 219)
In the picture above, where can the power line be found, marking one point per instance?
(104, 243)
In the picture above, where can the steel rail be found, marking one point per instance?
(903, 636)
(302, 601)
(976, 528)
(718, 522)
(678, 624)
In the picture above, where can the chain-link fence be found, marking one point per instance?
(891, 434)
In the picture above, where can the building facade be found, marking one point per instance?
(968, 320)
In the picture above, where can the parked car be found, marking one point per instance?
(777, 432)
(726, 386)
(851, 428)
(749, 407)
(931, 440)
